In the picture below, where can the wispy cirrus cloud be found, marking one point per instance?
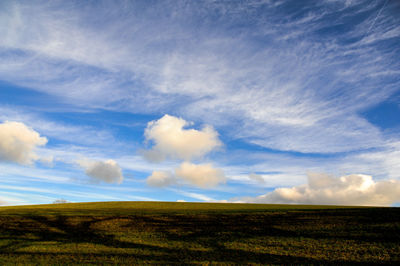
(197, 196)
(293, 98)
(293, 77)
(83, 135)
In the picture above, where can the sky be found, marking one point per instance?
(209, 101)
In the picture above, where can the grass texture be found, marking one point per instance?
(129, 233)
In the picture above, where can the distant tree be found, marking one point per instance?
(60, 201)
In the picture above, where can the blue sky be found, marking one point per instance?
(225, 101)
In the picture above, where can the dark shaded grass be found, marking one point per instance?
(169, 233)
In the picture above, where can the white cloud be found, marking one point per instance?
(356, 189)
(161, 179)
(138, 163)
(26, 174)
(15, 198)
(257, 177)
(108, 171)
(385, 162)
(292, 86)
(85, 135)
(18, 142)
(201, 175)
(197, 196)
(172, 140)
(289, 94)
(47, 160)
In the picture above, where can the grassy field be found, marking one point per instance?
(197, 233)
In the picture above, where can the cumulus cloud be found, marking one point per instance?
(172, 140)
(201, 175)
(18, 142)
(257, 177)
(108, 171)
(219, 76)
(355, 189)
(160, 179)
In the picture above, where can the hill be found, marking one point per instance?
(170, 232)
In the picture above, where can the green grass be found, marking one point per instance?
(197, 233)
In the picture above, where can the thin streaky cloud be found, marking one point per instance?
(285, 87)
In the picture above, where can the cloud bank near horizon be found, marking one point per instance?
(356, 189)
(200, 175)
(274, 89)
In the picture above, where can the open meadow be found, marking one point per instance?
(197, 233)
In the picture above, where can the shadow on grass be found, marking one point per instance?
(211, 232)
